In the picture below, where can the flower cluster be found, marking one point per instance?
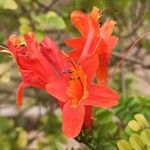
(76, 79)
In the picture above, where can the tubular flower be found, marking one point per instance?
(79, 94)
(34, 66)
(94, 39)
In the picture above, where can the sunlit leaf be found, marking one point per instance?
(22, 138)
(145, 136)
(134, 125)
(10, 4)
(124, 145)
(136, 142)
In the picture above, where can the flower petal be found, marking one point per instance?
(61, 104)
(107, 28)
(95, 16)
(72, 120)
(80, 20)
(88, 30)
(51, 52)
(112, 41)
(101, 96)
(104, 49)
(75, 54)
(90, 66)
(102, 71)
(88, 47)
(57, 87)
(88, 117)
(19, 100)
(76, 43)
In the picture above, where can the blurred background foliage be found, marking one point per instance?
(38, 124)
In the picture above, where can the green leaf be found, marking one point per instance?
(24, 20)
(107, 146)
(141, 120)
(10, 4)
(136, 142)
(50, 20)
(146, 44)
(134, 125)
(4, 142)
(39, 34)
(112, 128)
(145, 136)
(22, 139)
(128, 130)
(104, 116)
(25, 29)
(5, 124)
(124, 145)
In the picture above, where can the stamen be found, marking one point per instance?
(69, 71)
(23, 45)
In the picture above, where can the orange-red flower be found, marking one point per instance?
(94, 39)
(34, 64)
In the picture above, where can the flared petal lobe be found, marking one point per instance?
(51, 53)
(101, 96)
(57, 87)
(105, 51)
(107, 28)
(72, 120)
(20, 94)
(80, 20)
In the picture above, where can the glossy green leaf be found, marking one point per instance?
(141, 120)
(10, 4)
(50, 20)
(145, 136)
(134, 125)
(124, 145)
(104, 116)
(22, 138)
(136, 142)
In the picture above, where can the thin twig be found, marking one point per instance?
(124, 56)
(3, 47)
(122, 78)
(133, 60)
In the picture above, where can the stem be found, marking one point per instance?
(126, 53)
